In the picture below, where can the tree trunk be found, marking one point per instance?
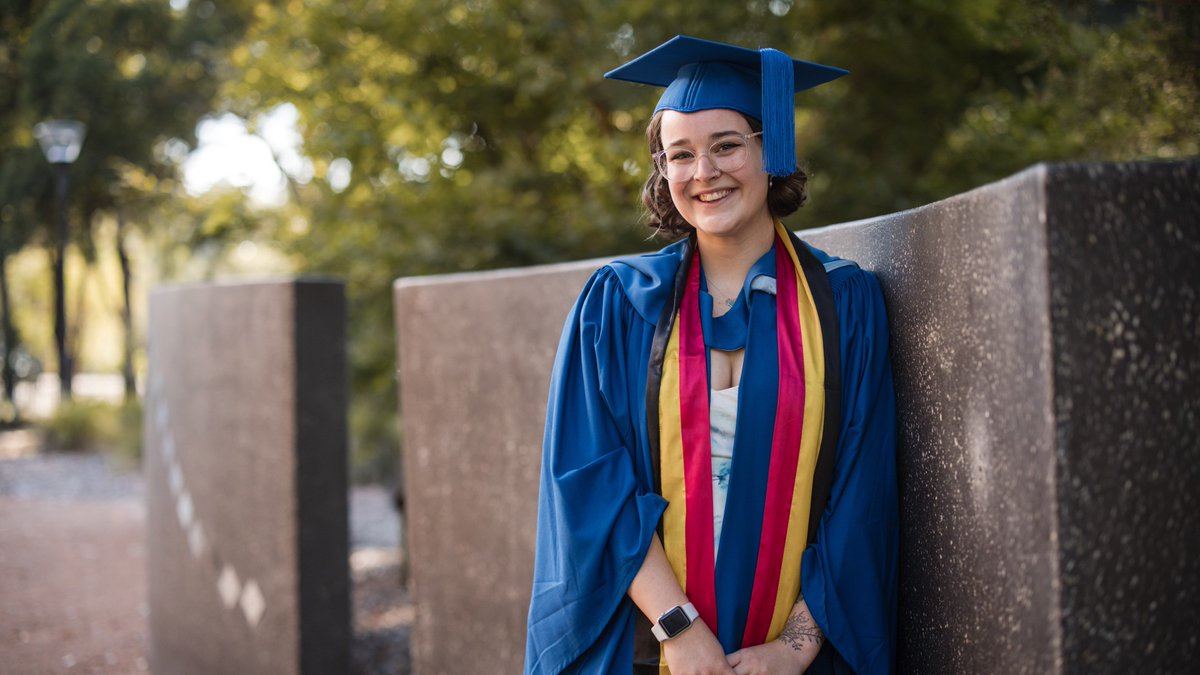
(126, 308)
(10, 340)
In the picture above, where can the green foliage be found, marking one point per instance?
(86, 425)
(138, 73)
(129, 440)
(480, 133)
(451, 135)
(1107, 94)
(195, 238)
(82, 425)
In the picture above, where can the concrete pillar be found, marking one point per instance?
(246, 518)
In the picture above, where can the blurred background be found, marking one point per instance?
(371, 139)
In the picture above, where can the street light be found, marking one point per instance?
(61, 141)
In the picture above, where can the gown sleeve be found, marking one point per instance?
(849, 574)
(595, 517)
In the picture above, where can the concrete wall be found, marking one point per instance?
(475, 357)
(246, 512)
(1046, 341)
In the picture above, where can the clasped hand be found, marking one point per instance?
(698, 652)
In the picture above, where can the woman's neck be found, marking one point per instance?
(727, 260)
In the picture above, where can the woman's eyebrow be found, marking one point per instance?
(712, 137)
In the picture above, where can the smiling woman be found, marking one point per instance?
(785, 194)
(716, 191)
(719, 455)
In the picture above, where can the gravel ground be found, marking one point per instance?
(383, 613)
(72, 571)
(68, 477)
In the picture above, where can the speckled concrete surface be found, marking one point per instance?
(967, 295)
(1035, 538)
(1046, 334)
(1125, 305)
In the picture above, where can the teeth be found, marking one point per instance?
(713, 196)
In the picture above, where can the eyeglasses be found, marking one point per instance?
(727, 154)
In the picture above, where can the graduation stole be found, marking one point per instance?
(791, 371)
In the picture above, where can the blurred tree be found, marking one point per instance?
(453, 135)
(946, 95)
(16, 225)
(139, 73)
(447, 135)
(15, 219)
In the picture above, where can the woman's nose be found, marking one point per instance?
(706, 168)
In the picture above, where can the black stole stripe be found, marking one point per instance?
(645, 645)
(658, 351)
(818, 283)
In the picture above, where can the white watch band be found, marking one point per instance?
(689, 610)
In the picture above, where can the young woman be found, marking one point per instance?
(719, 455)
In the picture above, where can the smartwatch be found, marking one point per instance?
(674, 621)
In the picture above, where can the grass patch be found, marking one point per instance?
(82, 426)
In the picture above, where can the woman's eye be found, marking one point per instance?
(726, 147)
(680, 156)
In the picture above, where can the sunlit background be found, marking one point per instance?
(371, 140)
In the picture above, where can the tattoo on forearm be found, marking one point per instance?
(801, 630)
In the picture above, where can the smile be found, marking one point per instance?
(713, 196)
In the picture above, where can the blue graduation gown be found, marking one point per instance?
(597, 510)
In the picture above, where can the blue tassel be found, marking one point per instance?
(778, 113)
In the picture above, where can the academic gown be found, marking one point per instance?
(598, 512)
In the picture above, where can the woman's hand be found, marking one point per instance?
(790, 654)
(696, 651)
(772, 658)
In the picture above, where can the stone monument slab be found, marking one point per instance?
(246, 479)
(473, 396)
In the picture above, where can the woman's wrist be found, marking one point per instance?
(695, 650)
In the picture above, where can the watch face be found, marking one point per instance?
(674, 622)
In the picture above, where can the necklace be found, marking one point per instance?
(729, 299)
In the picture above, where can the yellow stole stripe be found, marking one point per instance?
(671, 472)
(671, 462)
(810, 445)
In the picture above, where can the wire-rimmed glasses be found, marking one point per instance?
(727, 154)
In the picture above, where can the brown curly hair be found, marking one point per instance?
(784, 196)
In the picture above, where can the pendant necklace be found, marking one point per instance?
(729, 299)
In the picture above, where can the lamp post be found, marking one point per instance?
(61, 141)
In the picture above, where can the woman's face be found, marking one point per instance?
(715, 202)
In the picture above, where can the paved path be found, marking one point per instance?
(72, 572)
(72, 586)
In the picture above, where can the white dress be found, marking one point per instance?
(722, 419)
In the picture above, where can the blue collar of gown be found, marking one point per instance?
(728, 332)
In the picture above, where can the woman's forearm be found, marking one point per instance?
(801, 633)
(655, 590)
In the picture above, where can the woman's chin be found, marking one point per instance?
(726, 225)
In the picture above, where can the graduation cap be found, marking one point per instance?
(762, 83)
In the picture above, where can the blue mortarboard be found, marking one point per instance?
(702, 75)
